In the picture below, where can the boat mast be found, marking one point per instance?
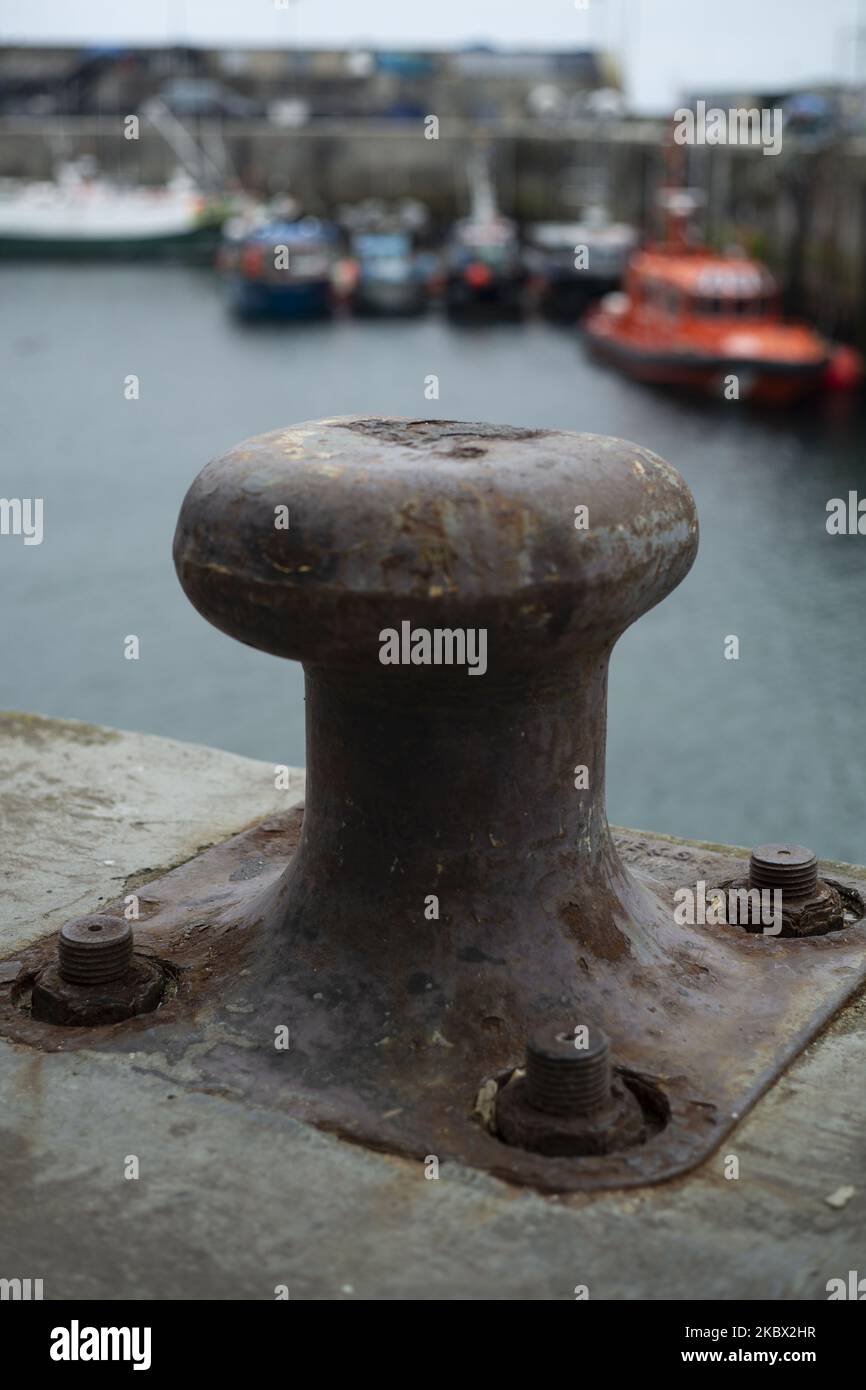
(483, 206)
(205, 169)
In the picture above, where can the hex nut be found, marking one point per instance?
(618, 1124)
(567, 1103)
(56, 1000)
(821, 912)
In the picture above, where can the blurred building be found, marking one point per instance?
(830, 110)
(474, 83)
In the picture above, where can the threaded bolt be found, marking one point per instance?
(568, 1073)
(93, 950)
(792, 868)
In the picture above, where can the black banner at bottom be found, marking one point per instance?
(154, 1337)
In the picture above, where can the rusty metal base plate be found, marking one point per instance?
(700, 1026)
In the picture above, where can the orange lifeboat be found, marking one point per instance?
(694, 319)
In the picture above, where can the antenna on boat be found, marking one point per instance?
(678, 202)
(678, 207)
(482, 194)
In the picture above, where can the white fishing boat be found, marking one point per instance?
(81, 214)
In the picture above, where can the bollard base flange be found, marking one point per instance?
(701, 1019)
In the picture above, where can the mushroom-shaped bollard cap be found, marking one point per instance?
(307, 542)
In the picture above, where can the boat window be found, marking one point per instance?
(382, 244)
(662, 297)
(734, 306)
(708, 307)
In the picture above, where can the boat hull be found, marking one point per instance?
(503, 297)
(253, 300)
(198, 243)
(564, 298)
(764, 381)
(382, 300)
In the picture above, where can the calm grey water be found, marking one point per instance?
(764, 748)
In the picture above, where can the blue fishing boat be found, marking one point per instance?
(389, 275)
(282, 269)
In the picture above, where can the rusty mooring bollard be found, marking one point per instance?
(422, 781)
(455, 847)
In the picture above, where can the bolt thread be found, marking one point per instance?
(791, 868)
(562, 1079)
(94, 950)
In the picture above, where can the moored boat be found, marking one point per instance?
(80, 215)
(388, 275)
(689, 317)
(577, 262)
(484, 267)
(282, 269)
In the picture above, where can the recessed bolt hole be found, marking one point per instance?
(95, 926)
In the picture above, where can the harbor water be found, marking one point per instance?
(766, 747)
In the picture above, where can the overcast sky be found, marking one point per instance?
(667, 46)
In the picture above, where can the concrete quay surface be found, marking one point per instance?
(233, 1201)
